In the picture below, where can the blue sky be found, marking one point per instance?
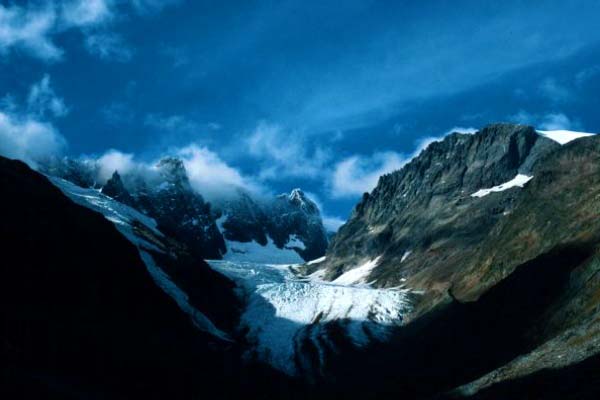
(274, 95)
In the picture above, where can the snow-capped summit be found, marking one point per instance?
(300, 200)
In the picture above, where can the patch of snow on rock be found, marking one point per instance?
(316, 261)
(405, 255)
(518, 181)
(563, 136)
(357, 275)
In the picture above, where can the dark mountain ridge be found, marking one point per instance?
(291, 221)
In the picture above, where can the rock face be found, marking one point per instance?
(426, 209)
(180, 211)
(508, 277)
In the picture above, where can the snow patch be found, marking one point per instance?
(316, 261)
(518, 181)
(357, 275)
(405, 255)
(563, 136)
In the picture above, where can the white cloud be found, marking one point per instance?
(210, 175)
(28, 29)
(358, 174)
(86, 13)
(32, 28)
(108, 46)
(282, 153)
(114, 160)
(28, 139)
(42, 99)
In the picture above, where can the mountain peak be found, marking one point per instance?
(173, 170)
(115, 188)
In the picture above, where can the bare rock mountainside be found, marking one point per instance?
(497, 234)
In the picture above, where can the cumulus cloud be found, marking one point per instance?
(43, 100)
(28, 29)
(114, 160)
(282, 153)
(28, 139)
(210, 175)
(358, 174)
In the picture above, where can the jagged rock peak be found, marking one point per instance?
(114, 188)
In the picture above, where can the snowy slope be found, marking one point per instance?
(124, 218)
(284, 312)
(563, 136)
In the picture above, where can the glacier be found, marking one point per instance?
(286, 312)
